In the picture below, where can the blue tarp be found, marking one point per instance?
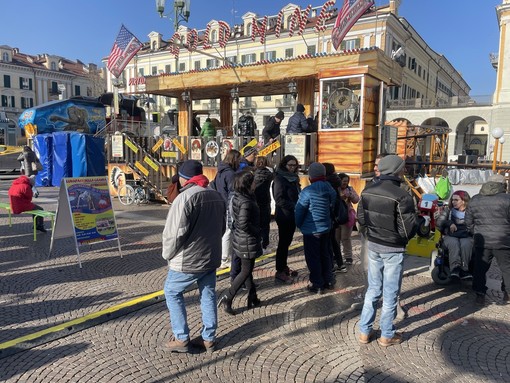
(43, 145)
(62, 157)
(96, 161)
(79, 155)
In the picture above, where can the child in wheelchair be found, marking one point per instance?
(456, 245)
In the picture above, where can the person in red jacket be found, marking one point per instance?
(20, 197)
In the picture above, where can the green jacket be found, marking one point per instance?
(208, 130)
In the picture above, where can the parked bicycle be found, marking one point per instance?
(137, 193)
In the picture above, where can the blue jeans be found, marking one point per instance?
(175, 285)
(384, 278)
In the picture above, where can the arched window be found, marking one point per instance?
(214, 36)
(5, 57)
(53, 65)
(154, 43)
(248, 29)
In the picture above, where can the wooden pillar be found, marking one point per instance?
(306, 92)
(184, 118)
(226, 119)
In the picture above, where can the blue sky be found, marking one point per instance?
(464, 31)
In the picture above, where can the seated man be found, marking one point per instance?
(20, 197)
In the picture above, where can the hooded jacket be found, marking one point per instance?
(314, 207)
(224, 181)
(20, 195)
(271, 130)
(263, 178)
(488, 217)
(387, 213)
(194, 226)
(298, 124)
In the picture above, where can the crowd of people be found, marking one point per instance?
(239, 199)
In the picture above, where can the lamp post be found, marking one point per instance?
(497, 133)
(186, 97)
(234, 94)
(501, 142)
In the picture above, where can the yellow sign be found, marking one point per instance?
(151, 163)
(250, 144)
(131, 146)
(169, 154)
(142, 168)
(157, 145)
(179, 146)
(269, 148)
(30, 130)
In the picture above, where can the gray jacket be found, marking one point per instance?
(193, 230)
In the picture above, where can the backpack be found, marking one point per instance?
(341, 212)
(244, 126)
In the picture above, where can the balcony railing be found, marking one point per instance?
(452, 102)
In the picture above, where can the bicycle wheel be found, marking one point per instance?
(126, 194)
(140, 196)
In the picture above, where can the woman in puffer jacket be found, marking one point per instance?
(247, 244)
(263, 178)
(456, 236)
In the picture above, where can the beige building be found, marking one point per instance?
(30, 80)
(428, 77)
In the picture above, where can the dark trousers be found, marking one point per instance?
(286, 228)
(265, 222)
(318, 258)
(39, 221)
(245, 276)
(235, 266)
(337, 254)
(482, 262)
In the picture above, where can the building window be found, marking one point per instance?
(289, 53)
(8, 101)
(154, 70)
(197, 65)
(182, 67)
(347, 45)
(5, 57)
(211, 63)
(267, 98)
(140, 72)
(168, 101)
(77, 90)
(53, 65)
(248, 59)
(248, 29)
(27, 102)
(232, 59)
(311, 50)
(25, 83)
(271, 55)
(167, 69)
(154, 44)
(214, 36)
(54, 87)
(7, 81)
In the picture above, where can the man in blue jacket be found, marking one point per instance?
(313, 218)
(298, 122)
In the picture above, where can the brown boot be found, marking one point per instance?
(366, 338)
(176, 345)
(385, 342)
(202, 344)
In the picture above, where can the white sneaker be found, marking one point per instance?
(225, 265)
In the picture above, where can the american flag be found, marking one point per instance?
(124, 48)
(350, 12)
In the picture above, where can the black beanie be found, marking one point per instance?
(300, 108)
(280, 115)
(190, 169)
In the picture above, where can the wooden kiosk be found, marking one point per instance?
(348, 87)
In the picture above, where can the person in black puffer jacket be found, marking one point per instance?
(286, 189)
(224, 184)
(247, 240)
(263, 178)
(488, 219)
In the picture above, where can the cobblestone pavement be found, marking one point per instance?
(293, 337)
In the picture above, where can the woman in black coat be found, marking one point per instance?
(286, 189)
(263, 178)
(247, 243)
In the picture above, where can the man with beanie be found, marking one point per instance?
(488, 219)
(248, 159)
(272, 128)
(387, 215)
(192, 246)
(313, 218)
(298, 122)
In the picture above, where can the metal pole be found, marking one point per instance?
(495, 156)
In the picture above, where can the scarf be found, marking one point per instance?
(289, 176)
(199, 180)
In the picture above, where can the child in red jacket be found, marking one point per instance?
(20, 197)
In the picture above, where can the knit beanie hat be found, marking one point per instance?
(249, 151)
(300, 108)
(190, 169)
(315, 170)
(391, 165)
(280, 115)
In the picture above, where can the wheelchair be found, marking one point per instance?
(440, 265)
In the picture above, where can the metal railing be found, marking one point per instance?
(451, 102)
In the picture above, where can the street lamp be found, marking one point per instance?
(234, 95)
(293, 90)
(501, 142)
(186, 97)
(497, 133)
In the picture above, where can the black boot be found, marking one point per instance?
(40, 228)
(227, 305)
(253, 301)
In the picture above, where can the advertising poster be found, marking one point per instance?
(295, 144)
(196, 149)
(91, 209)
(117, 146)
